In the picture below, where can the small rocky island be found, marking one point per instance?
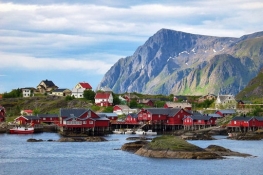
(177, 148)
(73, 139)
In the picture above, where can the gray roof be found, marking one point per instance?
(200, 117)
(243, 118)
(75, 112)
(133, 115)
(158, 110)
(108, 114)
(32, 117)
(47, 115)
(227, 111)
(60, 90)
(215, 115)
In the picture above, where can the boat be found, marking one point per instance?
(117, 131)
(140, 132)
(128, 131)
(150, 132)
(21, 130)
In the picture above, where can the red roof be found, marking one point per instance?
(102, 95)
(85, 85)
(28, 111)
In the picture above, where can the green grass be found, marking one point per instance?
(172, 143)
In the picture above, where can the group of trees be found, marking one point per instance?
(13, 94)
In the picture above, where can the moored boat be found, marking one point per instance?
(129, 131)
(140, 132)
(21, 130)
(150, 132)
(117, 131)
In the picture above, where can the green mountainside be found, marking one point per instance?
(254, 90)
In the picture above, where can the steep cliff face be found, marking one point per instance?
(183, 63)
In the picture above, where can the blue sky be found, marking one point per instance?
(74, 41)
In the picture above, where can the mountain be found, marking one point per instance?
(174, 62)
(254, 89)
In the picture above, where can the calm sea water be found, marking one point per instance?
(17, 156)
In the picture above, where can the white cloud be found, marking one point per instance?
(92, 63)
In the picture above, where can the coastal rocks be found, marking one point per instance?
(82, 139)
(138, 138)
(177, 154)
(34, 140)
(245, 136)
(133, 146)
(196, 136)
(221, 151)
(174, 147)
(218, 131)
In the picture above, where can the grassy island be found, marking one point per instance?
(171, 143)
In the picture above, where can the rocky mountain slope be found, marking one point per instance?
(254, 89)
(173, 62)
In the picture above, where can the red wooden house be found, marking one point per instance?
(146, 102)
(194, 122)
(245, 123)
(2, 114)
(131, 119)
(175, 118)
(104, 99)
(27, 120)
(49, 118)
(81, 120)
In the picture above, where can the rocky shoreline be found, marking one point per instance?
(183, 151)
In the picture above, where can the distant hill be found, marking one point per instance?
(254, 89)
(174, 62)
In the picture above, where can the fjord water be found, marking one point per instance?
(17, 156)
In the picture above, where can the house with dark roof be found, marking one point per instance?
(171, 118)
(226, 112)
(103, 99)
(225, 102)
(27, 120)
(82, 121)
(131, 118)
(49, 118)
(46, 86)
(244, 124)
(194, 122)
(61, 92)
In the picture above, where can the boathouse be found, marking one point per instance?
(195, 122)
(244, 124)
(82, 121)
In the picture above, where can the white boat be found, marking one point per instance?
(150, 132)
(128, 131)
(117, 131)
(140, 132)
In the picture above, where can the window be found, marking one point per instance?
(84, 122)
(235, 122)
(199, 121)
(90, 122)
(44, 118)
(178, 116)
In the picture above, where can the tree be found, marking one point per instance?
(89, 95)
(116, 100)
(133, 104)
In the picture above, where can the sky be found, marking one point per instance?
(69, 41)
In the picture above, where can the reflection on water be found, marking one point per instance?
(17, 156)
